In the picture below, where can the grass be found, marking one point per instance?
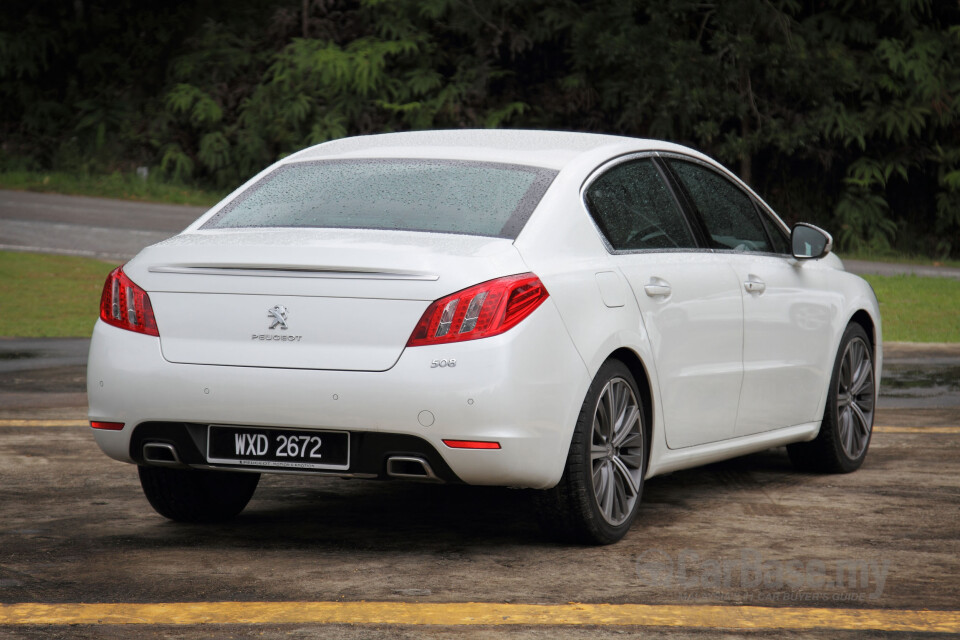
(59, 296)
(126, 186)
(915, 309)
(44, 296)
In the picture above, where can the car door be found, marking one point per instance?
(688, 298)
(786, 314)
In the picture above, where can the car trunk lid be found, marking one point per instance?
(306, 299)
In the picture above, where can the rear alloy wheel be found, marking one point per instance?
(598, 496)
(844, 437)
(197, 495)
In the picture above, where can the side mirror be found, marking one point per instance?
(809, 242)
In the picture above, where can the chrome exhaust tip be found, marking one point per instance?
(161, 454)
(410, 468)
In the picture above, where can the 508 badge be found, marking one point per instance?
(452, 362)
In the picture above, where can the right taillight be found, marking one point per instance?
(484, 310)
(125, 305)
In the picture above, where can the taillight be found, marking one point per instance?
(125, 305)
(484, 310)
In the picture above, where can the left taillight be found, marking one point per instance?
(125, 305)
(484, 310)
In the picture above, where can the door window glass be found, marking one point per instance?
(635, 210)
(780, 240)
(728, 212)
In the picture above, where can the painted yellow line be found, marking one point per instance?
(476, 613)
(44, 423)
(879, 429)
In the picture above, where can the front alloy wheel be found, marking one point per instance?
(844, 437)
(854, 400)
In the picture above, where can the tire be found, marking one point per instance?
(195, 495)
(847, 426)
(598, 496)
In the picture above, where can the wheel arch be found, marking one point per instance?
(864, 319)
(871, 325)
(638, 370)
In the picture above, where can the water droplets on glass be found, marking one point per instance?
(475, 198)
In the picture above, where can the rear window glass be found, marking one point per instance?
(472, 198)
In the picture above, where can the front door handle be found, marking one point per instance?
(657, 288)
(754, 284)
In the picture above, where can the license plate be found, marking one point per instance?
(283, 448)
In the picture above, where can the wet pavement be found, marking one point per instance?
(893, 269)
(752, 532)
(43, 377)
(46, 377)
(84, 226)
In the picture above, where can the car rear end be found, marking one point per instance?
(360, 318)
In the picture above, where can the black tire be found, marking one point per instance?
(197, 495)
(847, 426)
(572, 510)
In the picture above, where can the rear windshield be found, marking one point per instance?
(472, 198)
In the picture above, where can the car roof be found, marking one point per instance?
(549, 149)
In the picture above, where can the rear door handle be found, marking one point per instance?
(754, 284)
(657, 288)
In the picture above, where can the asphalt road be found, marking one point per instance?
(118, 229)
(78, 225)
(750, 541)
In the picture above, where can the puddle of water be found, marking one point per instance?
(18, 355)
(904, 378)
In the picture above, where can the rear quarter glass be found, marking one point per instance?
(441, 196)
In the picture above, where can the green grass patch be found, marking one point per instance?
(44, 296)
(59, 296)
(125, 186)
(915, 309)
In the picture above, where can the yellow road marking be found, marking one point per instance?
(477, 613)
(916, 429)
(44, 423)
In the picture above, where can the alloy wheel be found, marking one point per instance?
(855, 398)
(616, 451)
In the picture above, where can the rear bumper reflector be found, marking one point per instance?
(107, 426)
(471, 444)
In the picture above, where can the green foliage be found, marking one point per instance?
(843, 113)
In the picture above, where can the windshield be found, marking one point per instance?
(473, 198)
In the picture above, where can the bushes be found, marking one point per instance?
(842, 113)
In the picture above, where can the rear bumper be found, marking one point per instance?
(522, 389)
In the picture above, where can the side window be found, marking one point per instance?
(635, 210)
(781, 243)
(731, 219)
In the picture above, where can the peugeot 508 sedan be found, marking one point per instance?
(565, 312)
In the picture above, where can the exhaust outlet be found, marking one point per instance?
(161, 454)
(410, 468)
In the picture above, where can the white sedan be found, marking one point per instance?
(566, 312)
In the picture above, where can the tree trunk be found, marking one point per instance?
(746, 161)
(306, 15)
